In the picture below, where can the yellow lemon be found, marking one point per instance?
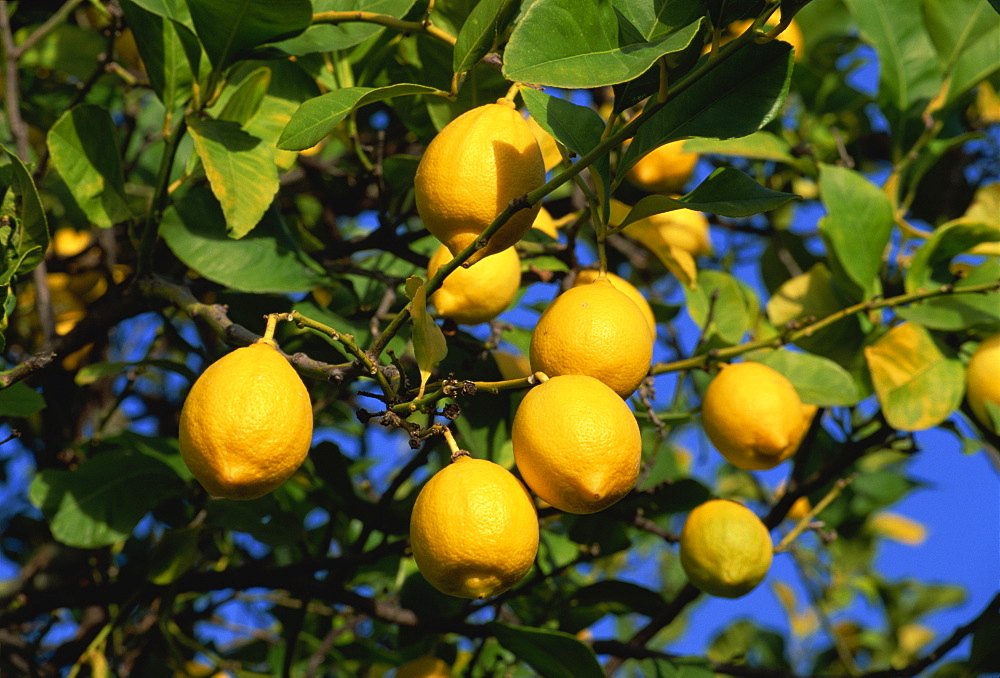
(983, 380)
(664, 169)
(799, 510)
(246, 424)
(546, 224)
(627, 288)
(595, 330)
(754, 416)
(683, 228)
(424, 667)
(512, 365)
(474, 530)
(471, 170)
(576, 444)
(725, 549)
(69, 242)
(550, 151)
(479, 293)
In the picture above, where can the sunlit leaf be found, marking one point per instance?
(480, 31)
(164, 46)
(20, 400)
(759, 146)
(818, 380)
(26, 243)
(966, 34)
(898, 528)
(429, 343)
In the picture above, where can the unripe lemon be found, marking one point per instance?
(474, 530)
(246, 424)
(595, 330)
(983, 380)
(576, 444)
(471, 170)
(725, 549)
(664, 169)
(627, 288)
(754, 416)
(477, 294)
(424, 667)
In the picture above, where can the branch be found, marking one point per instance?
(25, 369)
(405, 27)
(812, 328)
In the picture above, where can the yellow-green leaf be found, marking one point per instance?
(428, 341)
(898, 528)
(917, 385)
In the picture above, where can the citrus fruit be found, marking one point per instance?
(478, 294)
(471, 170)
(576, 444)
(595, 330)
(725, 549)
(424, 667)
(754, 416)
(474, 530)
(665, 169)
(983, 380)
(682, 228)
(546, 224)
(627, 288)
(512, 365)
(246, 424)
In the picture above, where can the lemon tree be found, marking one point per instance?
(707, 290)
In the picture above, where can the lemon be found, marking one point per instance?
(754, 416)
(478, 294)
(246, 424)
(682, 228)
(546, 224)
(725, 549)
(576, 444)
(471, 170)
(983, 380)
(424, 667)
(664, 169)
(474, 530)
(512, 365)
(628, 289)
(595, 330)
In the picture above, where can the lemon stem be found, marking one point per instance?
(805, 521)
(456, 452)
(272, 325)
(508, 98)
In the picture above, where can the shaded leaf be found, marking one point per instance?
(229, 29)
(931, 264)
(95, 505)
(319, 116)
(985, 654)
(480, 30)
(759, 146)
(265, 260)
(429, 343)
(164, 46)
(597, 45)
(175, 553)
(917, 385)
(24, 246)
(321, 37)
(20, 400)
(246, 100)
(88, 374)
(552, 653)
(736, 98)
(819, 381)
(966, 34)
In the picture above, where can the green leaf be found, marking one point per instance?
(551, 653)
(858, 224)
(734, 99)
(429, 343)
(20, 400)
(240, 170)
(175, 553)
(721, 305)
(480, 31)
(321, 37)
(818, 380)
(83, 145)
(931, 264)
(917, 385)
(760, 145)
(246, 100)
(620, 597)
(265, 260)
(96, 504)
(909, 68)
(229, 29)
(164, 46)
(960, 311)
(966, 34)
(319, 116)
(597, 45)
(88, 374)
(67, 48)
(29, 238)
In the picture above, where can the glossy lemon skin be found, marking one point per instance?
(725, 549)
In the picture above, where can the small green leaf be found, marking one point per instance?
(965, 34)
(858, 224)
(83, 144)
(265, 260)
(246, 100)
(164, 46)
(230, 29)
(30, 236)
(480, 30)
(551, 653)
(736, 98)
(722, 305)
(20, 400)
(758, 146)
(960, 311)
(818, 380)
(620, 597)
(597, 45)
(95, 371)
(96, 504)
(175, 553)
(429, 343)
(917, 385)
(320, 37)
(319, 116)
(931, 264)
(240, 170)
